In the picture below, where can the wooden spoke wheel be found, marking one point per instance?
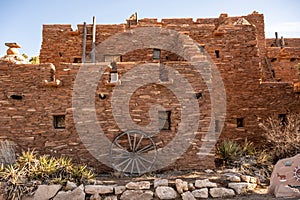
(133, 152)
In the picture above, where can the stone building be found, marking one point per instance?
(260, 77)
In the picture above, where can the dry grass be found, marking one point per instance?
(283, 137)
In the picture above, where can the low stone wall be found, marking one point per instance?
(230, 185)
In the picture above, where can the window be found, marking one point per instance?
(164, 120)
(114, 77)
(240, 122)
(273, 59)
(217, 125)
(59, 121)
(156, 54)
(273, 73)
(77, 60)
(217, 52)
(283, 119)
(198, 95)
(201, 48)
(17, 97)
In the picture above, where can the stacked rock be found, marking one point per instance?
(13, 55)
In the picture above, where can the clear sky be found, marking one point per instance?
(21, 20)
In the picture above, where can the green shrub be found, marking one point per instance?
(228, 151)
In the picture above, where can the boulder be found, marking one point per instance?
(45, 192)
(233, 178)
(221, 192)
(70, 185)
(13, 45)
(187, 196)
(284, 191)
(245, 178)
(142, 185)
(239, 188)
(204, 183)
(95, 197)
(12, 51)
(76, 194)
(160, 182)
(119, 189)
(181, 186)
(111, 197)
(99, 189)
(201, 193)
(285, 173)
(191, 186)
(137, 195)
(165, 192)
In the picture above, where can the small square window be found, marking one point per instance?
(59, 121)
(164, 120)
(240, 122)
(77, 60)
(114, 77)
(156, 54)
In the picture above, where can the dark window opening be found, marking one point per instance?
(240, 122)
(60, 54)
(273, 73)
(16, 97)
(77, 60)
(273, 59)
(217, 52)
(283, 119)
(201, 48)
(217, 126)
(292, 59)
(156, 54)
(164, 120)
(59, 121)
(198, 95)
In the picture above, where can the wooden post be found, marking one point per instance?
(94, 40)
(276, 39)
(84, 43)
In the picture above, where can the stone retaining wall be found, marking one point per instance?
(230, 186)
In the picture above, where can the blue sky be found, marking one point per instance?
(21, 21)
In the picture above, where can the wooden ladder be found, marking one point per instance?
(85, 34)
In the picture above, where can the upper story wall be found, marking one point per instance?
(62, 44)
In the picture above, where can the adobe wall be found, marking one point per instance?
(241, 47)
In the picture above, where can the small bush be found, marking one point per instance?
(228, 151)
(283, 137)
(245, 158)
(21, 177)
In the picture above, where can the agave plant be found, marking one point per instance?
(46, 168)
(81, 174)
(28, 161)
(228, 151)
(14, 177)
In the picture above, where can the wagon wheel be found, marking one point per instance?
(133, 152)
